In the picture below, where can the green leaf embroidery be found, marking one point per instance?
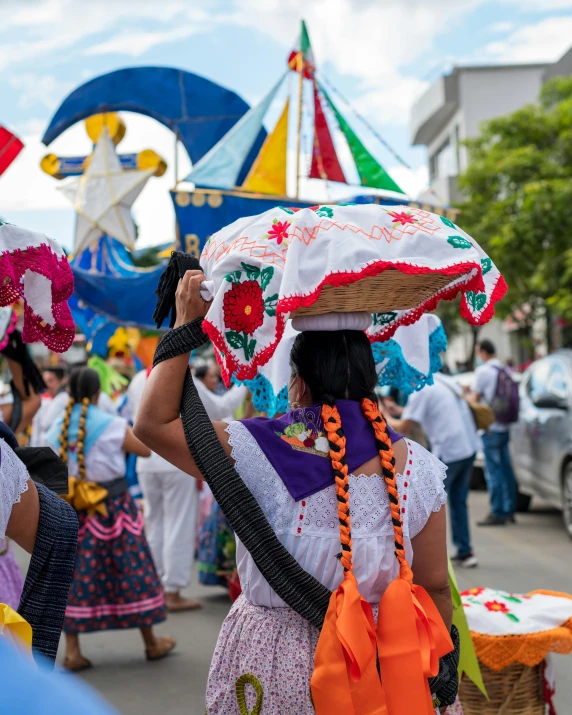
(512, 599)
(459, 242)
(447, 222)
(252, 272)
(287, 210)
(513, 617)
(348, 203)
(266, 277)
(325, 211)
(270, 304)
(486, 265)
(249, 346)
(384, 318)
(233, 277)
(477, 301)
(235, 340)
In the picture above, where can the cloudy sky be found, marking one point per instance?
(380, 53)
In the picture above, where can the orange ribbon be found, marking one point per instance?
(411, 637)
(86, 496)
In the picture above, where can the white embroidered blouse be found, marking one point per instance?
(309, 529)
(13, 483)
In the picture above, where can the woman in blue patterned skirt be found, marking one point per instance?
(115, 584)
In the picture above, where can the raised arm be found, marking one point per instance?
(158, 423)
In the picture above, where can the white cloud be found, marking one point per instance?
(413, 181)
(390, 104)
(544, 41)
(136, 43)
(42, 89)
(501, 27)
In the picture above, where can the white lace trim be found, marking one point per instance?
(13, 483)
(420, 488)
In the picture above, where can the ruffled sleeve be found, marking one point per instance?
(425, 475)
(13, 483)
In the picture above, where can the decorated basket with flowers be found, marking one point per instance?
(394, 264)
(514, 636)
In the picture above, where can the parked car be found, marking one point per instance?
(541, 440)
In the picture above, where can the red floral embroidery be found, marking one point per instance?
(402, 218)
(243, 307)
(472, 591)
(279, 231)
(496, 606)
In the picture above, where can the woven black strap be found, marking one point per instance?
(296, 587)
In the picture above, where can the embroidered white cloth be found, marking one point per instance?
(13, 483)
(309, 529)
(34, 268)
(498, 613)
(263, 268)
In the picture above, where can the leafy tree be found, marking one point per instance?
(518, 202)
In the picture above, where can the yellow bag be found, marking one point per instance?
(482, 414)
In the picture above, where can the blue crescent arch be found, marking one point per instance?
(198, 110)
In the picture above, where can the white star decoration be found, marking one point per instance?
(103, 196)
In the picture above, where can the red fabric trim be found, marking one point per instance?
(10, 147)
(325, 162)
(230, 366)
(41, 259)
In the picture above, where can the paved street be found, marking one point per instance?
(536, 553)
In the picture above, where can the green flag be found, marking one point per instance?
(370, 171)
(468, 662)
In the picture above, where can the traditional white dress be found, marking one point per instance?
(262, 637)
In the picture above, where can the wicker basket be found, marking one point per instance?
(388, 291)
(516, 690)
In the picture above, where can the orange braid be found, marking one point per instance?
(337, 441)
(371, 411)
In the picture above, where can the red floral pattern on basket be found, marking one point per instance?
(43, 260)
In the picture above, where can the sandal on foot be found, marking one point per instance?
(162, 648)
(76, 665)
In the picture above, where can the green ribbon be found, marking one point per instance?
(241, 695)
(468, 661)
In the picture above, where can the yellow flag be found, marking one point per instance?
(268, 173)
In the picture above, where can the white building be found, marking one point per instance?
(453, 108)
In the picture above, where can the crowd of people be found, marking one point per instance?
(134, 561)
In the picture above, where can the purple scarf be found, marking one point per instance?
(296, 446)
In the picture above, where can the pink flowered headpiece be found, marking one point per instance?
(34, 269)
(263, 269)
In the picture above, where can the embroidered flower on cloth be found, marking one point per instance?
(402, 218)
(299, 437)
(476, 591)
(496, 606)
(278, 231)
(244, 307)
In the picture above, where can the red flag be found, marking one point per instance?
(325, 162)
(10, 147)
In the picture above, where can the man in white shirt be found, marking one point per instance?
(446, 419)
(501, 481)
(172, 497)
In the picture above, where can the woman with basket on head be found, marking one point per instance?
(115, 584)
(329, 506)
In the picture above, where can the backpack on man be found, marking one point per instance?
(506, 400)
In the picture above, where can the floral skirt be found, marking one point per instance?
(11, 580)
(115, 584)
(263, 663)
